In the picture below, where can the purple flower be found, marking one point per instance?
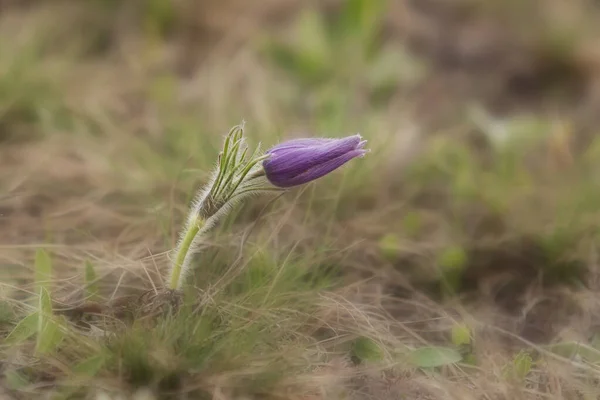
(300, 161)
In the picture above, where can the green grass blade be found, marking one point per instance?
(90, 366)
(48, 331)
(91, 286)
(26, 328)
(43, 269)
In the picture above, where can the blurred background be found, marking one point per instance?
(481, 192)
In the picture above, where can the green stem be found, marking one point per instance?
(182, 252)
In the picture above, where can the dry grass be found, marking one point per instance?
(111, 115)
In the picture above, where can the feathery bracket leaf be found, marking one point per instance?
(236, 176)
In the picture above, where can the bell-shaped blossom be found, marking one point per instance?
(300, 161)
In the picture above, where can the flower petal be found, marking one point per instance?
(300, 143)
(296, 160)
(316, 171)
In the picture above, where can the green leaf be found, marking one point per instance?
(572, 349)
(26, 328)
(43, 269)
(15, 380)
(49, 332)
(430, 357)
(461, 335)
(45, 303)
(565, 349)
(519, 368)
(589, 354)
(366, 349)
(50, 337)
(522, 365)
(90, 366)
(91, 285)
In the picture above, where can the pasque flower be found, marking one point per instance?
(238, 175)
(299, 161)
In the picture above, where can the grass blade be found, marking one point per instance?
(90, 366)
(26, 328)
(91, 286)
(43, 269)
(48, 330)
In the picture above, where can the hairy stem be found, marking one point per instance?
(182, 252)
